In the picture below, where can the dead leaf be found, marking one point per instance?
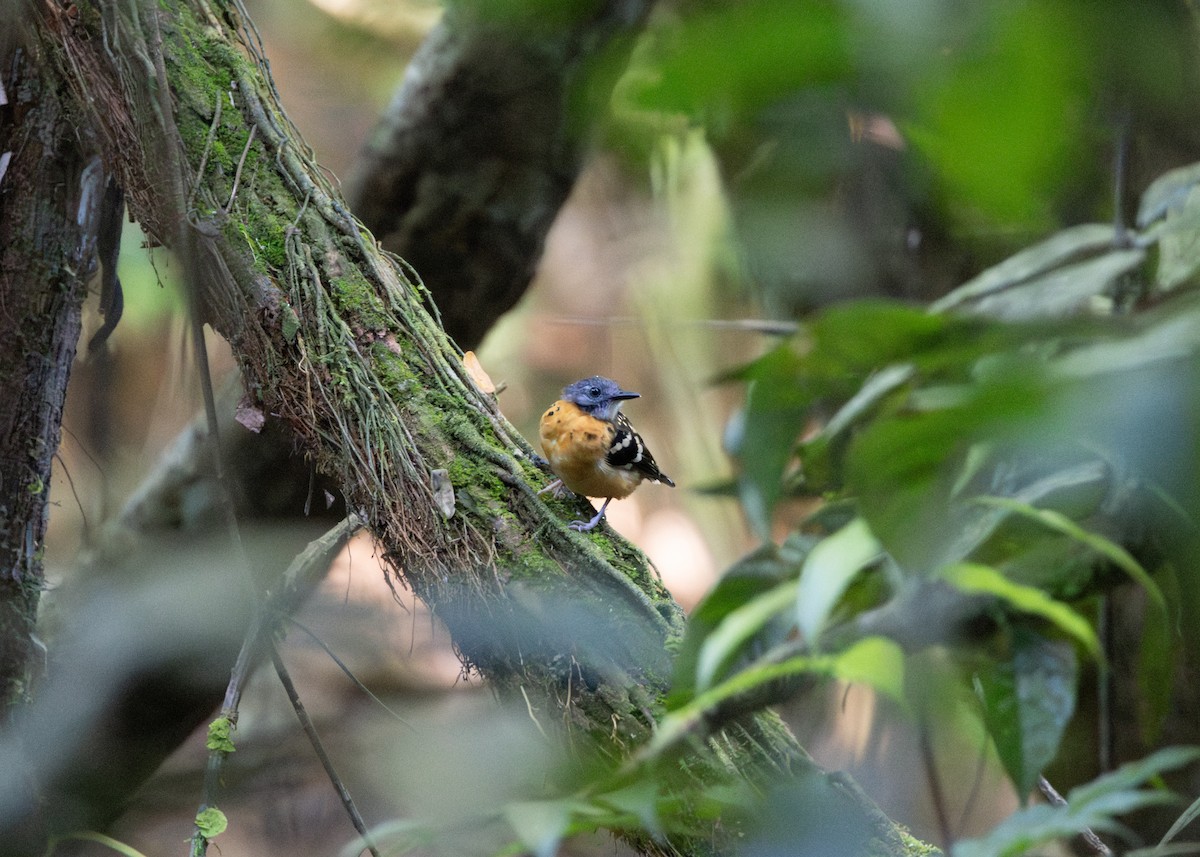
(475, 369)
(250, 416)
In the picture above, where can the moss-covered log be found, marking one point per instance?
(335, 339)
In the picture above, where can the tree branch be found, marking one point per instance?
(481, 145)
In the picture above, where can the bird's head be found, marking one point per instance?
(601, 397)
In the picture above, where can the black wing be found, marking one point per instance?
(628, 450)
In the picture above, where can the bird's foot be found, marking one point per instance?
(556, 489)
(584, 526)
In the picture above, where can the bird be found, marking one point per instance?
(592, 447)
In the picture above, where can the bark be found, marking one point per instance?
(336, 342)
(49, 206)
(470, 164)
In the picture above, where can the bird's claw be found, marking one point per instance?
(557, 490)
(586, 526)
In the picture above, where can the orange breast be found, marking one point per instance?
(576, 444)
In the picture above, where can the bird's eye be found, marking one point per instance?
(594, 392)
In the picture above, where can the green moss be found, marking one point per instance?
(266, 232)
(915, 847)
(357, 302)
(391, 368)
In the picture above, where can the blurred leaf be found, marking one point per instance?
(1093, 806)
(1179, 244)
(827, 571)
(902, 468)
(751, 577)
(639, 799)
(1185, 818)
(1106, 548)
(1076, 289)
(731, 60)
(211, 822)
(776, 408)
(870, 660)
(1064, 247)
(1114, 786)
(1160, 338)
(876, 662)
(876, 388)
(540, 825)
(401, 835)
(1157, 658)
(1033, 826)
(866, 335)
(1169, 192)
(971, 577)
(1027, 703)
(996, 126)
(722, 646)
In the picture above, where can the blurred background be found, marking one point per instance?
(757, 161)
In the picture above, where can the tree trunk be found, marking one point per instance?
(50, 195)
(475, 156)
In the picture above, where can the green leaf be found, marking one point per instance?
(1179, 244)
(211, 822)
(1157, 658)
(1078, 289)
(827, 572)
(854, 664)
(992, 125)
(1093, 806)
(1132, 774)
(902, 468)
(724, 644)
(540, 825)
(639, 799)
(735, 59)
(1031, 827)
(291, 322)
(876, 662)
(1027, 702)
(1064, 247)
(877, 387)
(220, 736)
(1107, 548)
(1185, 818)
(971, 577)
(1169, 192)
(776, 408)
(752, 576)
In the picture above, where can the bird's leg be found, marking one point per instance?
(556, 488)
(584, 526)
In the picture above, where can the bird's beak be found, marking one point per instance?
(625, 394)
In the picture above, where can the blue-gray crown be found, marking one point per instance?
(599, 396)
